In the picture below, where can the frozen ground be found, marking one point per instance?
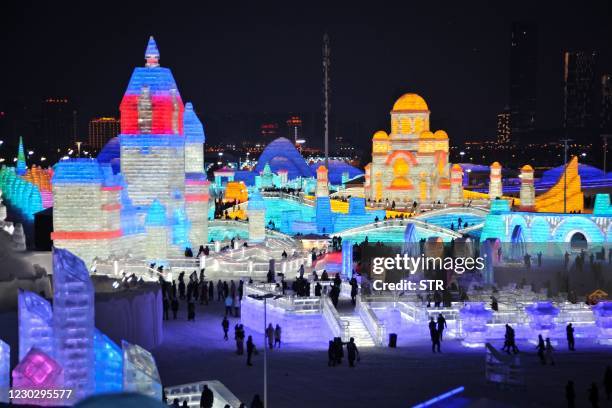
(298, 375)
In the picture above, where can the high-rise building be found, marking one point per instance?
(101, 130)
(294, 123)
(605, 110)
(523, 79)
(579, 89)
(58, 123)
(503, 127)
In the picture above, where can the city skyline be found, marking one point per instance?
(271, 78)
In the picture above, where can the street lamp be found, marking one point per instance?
(265, 299)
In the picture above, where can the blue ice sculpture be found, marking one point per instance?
(108, 364)
(347, 258)
(324, 215)
(411, 245)
(140, 373)
(474, 318)
(73, 322)
(542, 317)
(5, 371)
(603, 320)
(35, 324)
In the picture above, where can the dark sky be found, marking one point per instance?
(251, 57)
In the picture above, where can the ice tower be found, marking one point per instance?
(73, 322)
(257, 217)
(456, 186)
(196, 184)
(495, 181)
(527, 192)
(152, 140)
(35, 324)
(22, 168)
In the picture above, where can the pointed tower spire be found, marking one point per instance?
(21, 160)
(152, 54)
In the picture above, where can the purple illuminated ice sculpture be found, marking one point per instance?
(73, 322)
(603, 320)
(35, 324)
(542, 317)
(474, 318)
(5, 371)
(38, 371)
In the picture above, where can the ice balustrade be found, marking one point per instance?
(398, 222)
(287, 303)
(192, 393)
(339, 328)
(375, 326)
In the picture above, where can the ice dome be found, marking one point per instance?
(281, 154)
(110, 153)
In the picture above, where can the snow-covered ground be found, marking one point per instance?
(298, 375)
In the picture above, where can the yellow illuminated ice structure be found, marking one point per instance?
(552, 200)
(410, 102)
(410, 163)
(236, 190)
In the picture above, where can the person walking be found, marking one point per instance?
(225, 325)
(239, 337)
(256, 403)
(352, 352)
(191, 311)
(570, 394)
(207, 398)
(175, 307)
(211, 291)
(541, 347)
(441, 325)
(166, 307)
(277, 336)
(270, 336)
(219, 290)
(331, 354)
(250, 350)
(594, 395)
(228, 305)
(608, 382)
(569, 330)
(549, 352)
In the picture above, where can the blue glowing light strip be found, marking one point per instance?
(440, 397)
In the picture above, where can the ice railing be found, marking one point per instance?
(389, 223)
(338, 327)
(375, 326)
(192, 393)
(286, 303)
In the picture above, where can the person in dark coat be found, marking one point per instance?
(608, 382)
(570, 394)
(239, 337)
(318, 288)
(175, 307)
(250, 350)
(352, 352)
(166, 308)
(441, 325)
(569, 330)
(256, 403)
(594, 395)
(207, 399)
(331, 354)
(541, 349)
(211, 291)
(225, 325)
(191, 311)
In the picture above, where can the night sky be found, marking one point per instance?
(246, 57)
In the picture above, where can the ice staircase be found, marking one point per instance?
(358, 330)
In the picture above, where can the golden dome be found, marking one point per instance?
(380, 135)
(456, 167)
(496, 164)
(410, 102)
(440, 134)
(426, 134)
(527, 168)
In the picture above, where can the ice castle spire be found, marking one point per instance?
(152, 54)
(21, 163)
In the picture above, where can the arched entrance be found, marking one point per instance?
(578, 241)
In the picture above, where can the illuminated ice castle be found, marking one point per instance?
(411, 163)
(158, 197)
